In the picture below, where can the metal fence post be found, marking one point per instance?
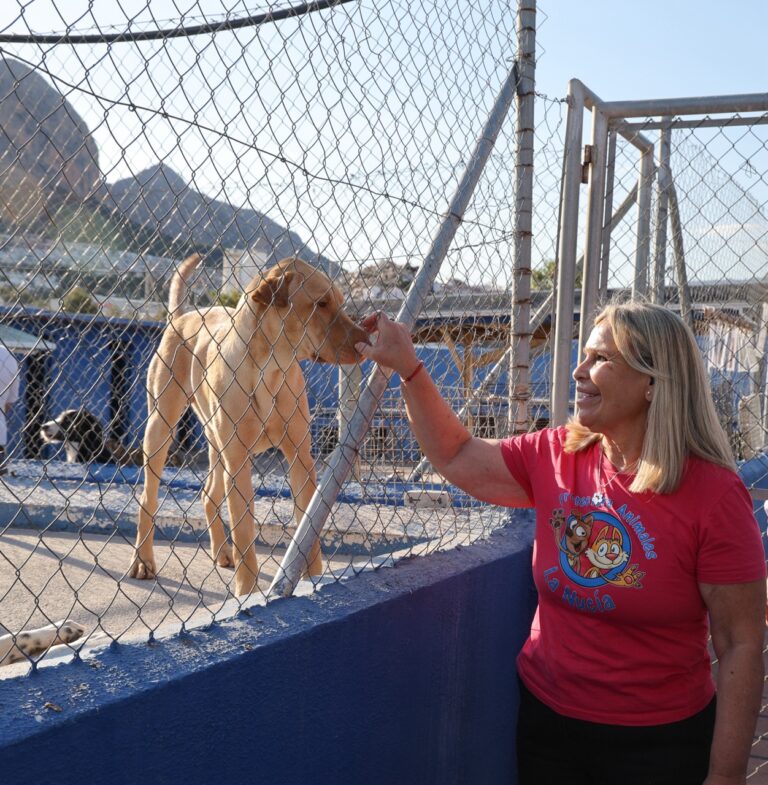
(679, 249)
(520, 336)
(566, 257)
(608, 221)
(590, 279)
(350, 378)
(295, 560)
(642, 253)
(662, 215)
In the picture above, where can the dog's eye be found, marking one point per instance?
(322, 304)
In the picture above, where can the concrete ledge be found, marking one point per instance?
(403, 675)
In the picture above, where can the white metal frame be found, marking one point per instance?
(609, 119)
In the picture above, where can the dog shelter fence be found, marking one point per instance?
(51, 247)
(637, 168)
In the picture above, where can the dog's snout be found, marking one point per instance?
(358, 334)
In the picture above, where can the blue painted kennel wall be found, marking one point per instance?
(402, 676)
(80, 367)
(79, 370)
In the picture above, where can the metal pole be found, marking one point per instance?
(762, 375)
(642, 253)
(295, 560)
(566, 265)
(677, 245)
(730, 122)
(718, 104)
(520, 336)
(350, 377)
(662, 215)
(590, 277)
(608, 225)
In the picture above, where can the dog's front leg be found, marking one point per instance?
(213, 502)
(238, 486)
(303, 481)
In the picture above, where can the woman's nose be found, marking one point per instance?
(581, 371)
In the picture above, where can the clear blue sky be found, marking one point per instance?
(392, 72)
(655, 48)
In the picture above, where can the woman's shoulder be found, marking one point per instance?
(545, 438)
(706, 478)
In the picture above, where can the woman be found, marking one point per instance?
(644, 530)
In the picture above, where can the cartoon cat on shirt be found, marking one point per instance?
(605, 554)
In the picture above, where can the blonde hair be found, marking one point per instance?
(682, 420)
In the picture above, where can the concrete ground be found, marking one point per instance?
(51, 576)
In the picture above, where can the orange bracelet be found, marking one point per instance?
(418, 368)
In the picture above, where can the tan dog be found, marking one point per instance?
(238, 368)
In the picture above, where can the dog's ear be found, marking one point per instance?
(274, 289)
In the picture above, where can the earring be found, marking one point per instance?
(648, 395)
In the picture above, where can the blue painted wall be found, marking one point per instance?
(402, 676)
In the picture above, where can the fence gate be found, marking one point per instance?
(676, 212)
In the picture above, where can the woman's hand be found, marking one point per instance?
(391, 344)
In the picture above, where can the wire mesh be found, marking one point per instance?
(716, 261)
(709, 236)
(335, 135)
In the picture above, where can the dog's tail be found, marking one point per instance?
(179, 286)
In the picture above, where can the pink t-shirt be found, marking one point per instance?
(620, 633)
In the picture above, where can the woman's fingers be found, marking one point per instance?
(392, 345)
(363, 349)
(370, 322)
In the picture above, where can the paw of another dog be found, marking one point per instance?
(33, 643)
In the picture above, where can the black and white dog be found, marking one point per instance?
(82, 435)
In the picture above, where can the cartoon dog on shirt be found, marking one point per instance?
(605, 554)
(577, 533)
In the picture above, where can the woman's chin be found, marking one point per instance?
(585, 419)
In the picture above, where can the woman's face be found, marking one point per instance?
(611, 397)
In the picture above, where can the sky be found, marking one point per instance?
(404, 128)
(653, 49)
(669, 49)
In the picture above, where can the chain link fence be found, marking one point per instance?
(334, 132)
(709, 244)
(683, 222)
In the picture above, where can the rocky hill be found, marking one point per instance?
(46, 149)
(159, 200)
(49, 166)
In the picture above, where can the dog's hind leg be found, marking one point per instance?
(166, 402)
(213, 502)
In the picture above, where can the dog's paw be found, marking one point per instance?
(69, 631)
(143, 569)
(224, 557)
(33, 643)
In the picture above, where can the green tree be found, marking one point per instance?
(543, 277)
(78, 300)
